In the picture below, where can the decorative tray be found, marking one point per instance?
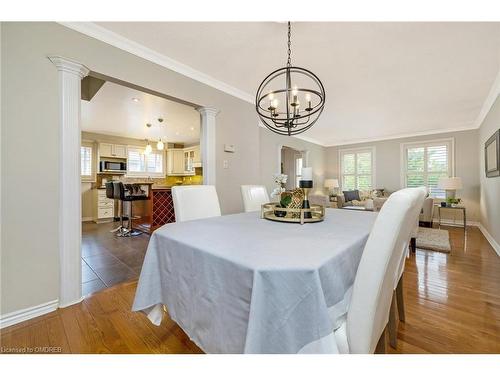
(272, 211)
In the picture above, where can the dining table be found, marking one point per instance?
(242, 284)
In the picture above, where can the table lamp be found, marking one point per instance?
(331, 184)
(451, 185)
(306, 183)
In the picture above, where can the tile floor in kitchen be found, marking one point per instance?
(108, 260)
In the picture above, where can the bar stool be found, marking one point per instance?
(111, 193)
(128, 193)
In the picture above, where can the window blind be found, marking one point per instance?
(356, 169)
(425, 163)
(86, 161)
(140, 164)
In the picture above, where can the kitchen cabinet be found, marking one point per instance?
(197, 156)
(188, 161)
(175, 162)
(182, 161)
(104, 208)
(109, 150)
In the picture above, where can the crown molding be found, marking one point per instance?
(104, 35)
(488, 103)
(68, 65)
(400, 136)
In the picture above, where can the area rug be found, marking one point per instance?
(433, 239)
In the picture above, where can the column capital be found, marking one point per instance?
(68, 65)
(208, 111)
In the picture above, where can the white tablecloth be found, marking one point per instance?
(241, 284)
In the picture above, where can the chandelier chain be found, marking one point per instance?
(289, 61)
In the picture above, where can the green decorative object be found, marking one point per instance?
(285, 200)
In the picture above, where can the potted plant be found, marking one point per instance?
(285, 200)
(453, 202)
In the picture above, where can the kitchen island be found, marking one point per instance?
(159, 210)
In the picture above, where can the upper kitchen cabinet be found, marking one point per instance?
(188, 160)
(182, 161)
(197, 157)
(109, 150)
(175, 162)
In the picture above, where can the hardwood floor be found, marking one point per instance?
(452, 306)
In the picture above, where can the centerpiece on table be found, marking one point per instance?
(293, 206)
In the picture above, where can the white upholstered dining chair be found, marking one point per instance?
(418, 196)
(363, 330)
(195, 202)
(254, 196)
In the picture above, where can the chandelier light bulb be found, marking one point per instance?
(148, 149)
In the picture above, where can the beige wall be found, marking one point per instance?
(490, 187)
(30, 180)
(388, 166)
(270, 154)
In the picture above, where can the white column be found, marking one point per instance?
(207, 144)
(70, 227)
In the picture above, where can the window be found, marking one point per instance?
(140, 164)
(298, 170)
(425, 163)
(356, 169)
(86, 162)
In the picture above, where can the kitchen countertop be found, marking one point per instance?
(154, 186)
(161, 187)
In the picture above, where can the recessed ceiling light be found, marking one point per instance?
(192, 128)
(135, 100)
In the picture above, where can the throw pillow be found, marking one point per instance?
(351, 195)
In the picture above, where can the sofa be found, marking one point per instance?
(371, 200)
(319, 199)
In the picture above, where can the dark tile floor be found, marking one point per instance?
(108, 260)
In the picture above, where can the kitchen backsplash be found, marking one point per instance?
(168, 181)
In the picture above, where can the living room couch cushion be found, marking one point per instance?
(351, 195)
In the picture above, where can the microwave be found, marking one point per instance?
(113, 166)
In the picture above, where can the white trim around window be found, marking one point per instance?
(449, 143)
(90, 164)
(145, 164)
(356, 151)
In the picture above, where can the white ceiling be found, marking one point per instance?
(113, 111)
(382, 80)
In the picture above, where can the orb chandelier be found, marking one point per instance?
(290, 100)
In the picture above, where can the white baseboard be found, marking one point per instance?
(28, 313)
(456, 223)
(494, 244)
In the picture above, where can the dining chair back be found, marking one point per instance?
(195, 202)
(368, 313)
(417, 196)
(254, 196)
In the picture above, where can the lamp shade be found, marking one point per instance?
(307, 173)
(450, 183)
(331, 183)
